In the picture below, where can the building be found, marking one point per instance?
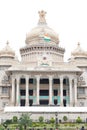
(42, 78)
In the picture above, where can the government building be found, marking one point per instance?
(42, 78)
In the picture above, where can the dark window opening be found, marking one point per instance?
(44, 92)
(22, 103)
(56, 81)
(44, 102)
(64, 81)
(55, 102)
(22, 81)
(30, 102)
(22, 92)
(44, 81)
(30, 81)
(64, 92)
(64, 102)
(55, 92)
(31, 92)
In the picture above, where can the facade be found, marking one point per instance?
(42, 78)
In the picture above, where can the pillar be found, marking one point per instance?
(61, 91)
(18, 92)
(38, 88)
(70, 85)
(13, 91)
(27, 91)
(50, 90)
(75, 91)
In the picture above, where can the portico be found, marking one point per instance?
(29, 89)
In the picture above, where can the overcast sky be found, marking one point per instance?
(67, 17)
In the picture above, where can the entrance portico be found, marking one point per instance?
(39, 90)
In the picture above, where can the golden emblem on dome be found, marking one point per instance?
(42, 16)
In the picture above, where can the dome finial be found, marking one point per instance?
(42, 16)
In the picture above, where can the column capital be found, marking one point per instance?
(50, 77)
(75, 80)
(61, 78)
(27, 76)
(18, 77)
(70, 79)
(37, 77)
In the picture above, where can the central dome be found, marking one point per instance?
(38, 33)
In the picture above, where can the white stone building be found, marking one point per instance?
(42, 78)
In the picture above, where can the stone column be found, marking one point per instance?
(61, 91)
(18, 92)
(27, 90)
(13, 91)
(50, 90)
(38, 88)
(70, 85)
(75, 91)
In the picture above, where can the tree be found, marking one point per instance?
(65, 118)
(52, 120)
(15, 119)
(79, 120)
(25, 120)
(41, 119)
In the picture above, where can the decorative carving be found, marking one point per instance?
(5, 80)
(42, 16)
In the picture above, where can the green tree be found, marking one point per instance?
(65, 118)
(41, 119)
(25, 120)
(52, 120)
(78, 120)
(15, 119)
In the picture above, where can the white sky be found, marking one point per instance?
(67, 17)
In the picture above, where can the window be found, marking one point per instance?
(64, 92)
(30, 81)
(81, 90)
(4, 90)
(22, 92)
(31, 92)
(55, 92)
(22, 81)
(44, 92)
(56, 81)
(44, 81)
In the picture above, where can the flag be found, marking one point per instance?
(47, 38)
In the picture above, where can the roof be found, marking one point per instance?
(79, 52)
(67, 67)
(7, 51)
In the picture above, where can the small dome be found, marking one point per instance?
(79, 52)
(39, 32)
(7, 51)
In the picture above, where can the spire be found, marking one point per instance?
(42, 19)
